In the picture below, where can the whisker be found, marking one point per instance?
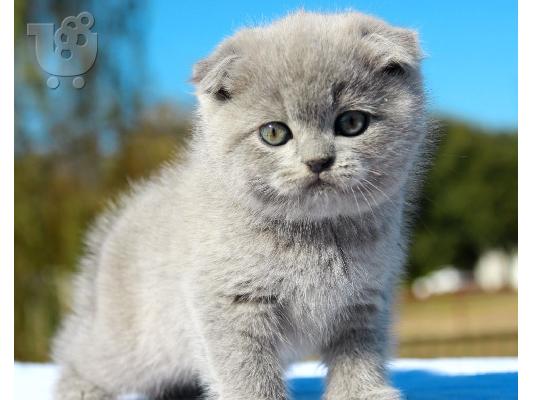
(373, 172)
(356, 199)
(370, 193)
(368, 204)
(380, 190)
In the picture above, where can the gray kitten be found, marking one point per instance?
(282, 234)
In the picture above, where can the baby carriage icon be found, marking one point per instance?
(69, 51)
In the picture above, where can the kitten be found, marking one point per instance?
(282, 234)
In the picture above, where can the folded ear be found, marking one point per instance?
(213, 74)
(408, 47)
(399, 50)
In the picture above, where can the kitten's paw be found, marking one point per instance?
(381, 393)
(71, 387)
(385, 393)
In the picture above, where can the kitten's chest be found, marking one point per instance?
(329, 284)
(327, 263)
(314, 270)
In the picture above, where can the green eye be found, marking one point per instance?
(351, 123)
(275, 133)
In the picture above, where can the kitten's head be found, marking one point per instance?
(314, 116)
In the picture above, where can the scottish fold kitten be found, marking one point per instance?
(281, 235)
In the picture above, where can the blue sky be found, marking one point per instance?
(471, 46)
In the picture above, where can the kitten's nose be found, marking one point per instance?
(320, 164)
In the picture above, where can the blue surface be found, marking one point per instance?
(423, 385)
(419, 379)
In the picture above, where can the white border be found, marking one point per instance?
(526, 199)
(6, 193)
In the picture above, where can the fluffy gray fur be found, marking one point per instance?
(227, 266)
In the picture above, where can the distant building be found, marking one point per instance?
(513, 276)
(445, 280)
(496, 270)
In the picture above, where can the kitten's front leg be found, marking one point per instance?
(356, 364)
(241, 335)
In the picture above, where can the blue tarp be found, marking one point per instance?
(435, 379)
(422, 385)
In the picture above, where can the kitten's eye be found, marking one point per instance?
(351, 123)
(275, 133)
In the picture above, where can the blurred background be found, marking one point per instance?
(77, 148)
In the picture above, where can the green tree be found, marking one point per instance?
(469, 202)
